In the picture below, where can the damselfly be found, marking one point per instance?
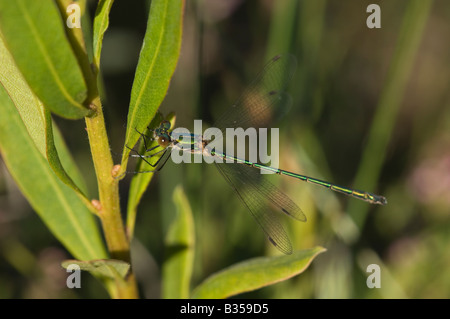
(260, 103)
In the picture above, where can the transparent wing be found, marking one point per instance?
(263, 200)
(264, 101)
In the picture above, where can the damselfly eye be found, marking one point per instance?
(163, 141)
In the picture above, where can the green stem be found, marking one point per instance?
(109, 208)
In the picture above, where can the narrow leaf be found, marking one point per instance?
(29, 107)
(101, 22)
(68, 162)
(34, 34)
(37, 120)
(58, 205)
(140, 181)
(110, 268)
(178, 265)
(157, 62)
(255, 273)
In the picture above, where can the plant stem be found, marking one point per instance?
(109, 210)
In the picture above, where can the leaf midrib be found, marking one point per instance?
(147, 77)
(102, 29)
(46, 55)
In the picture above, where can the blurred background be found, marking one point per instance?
(371, 110)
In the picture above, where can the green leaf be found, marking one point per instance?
(109, 268)
(29, 107)
(37, 121)
(58, 205)
(140, 181)
(34, 34)
(282, 27)
(180, 241)
(157, 62)
(68, 162)
(53, 158)
(255, 273)
(101, 22)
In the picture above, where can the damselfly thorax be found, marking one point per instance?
(186, 142)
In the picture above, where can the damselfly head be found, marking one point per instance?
(164, 127)
(162, 134)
